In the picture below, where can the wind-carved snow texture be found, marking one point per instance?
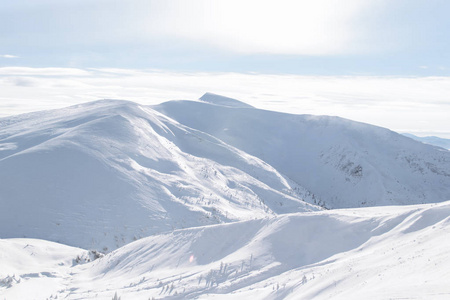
(217, 199)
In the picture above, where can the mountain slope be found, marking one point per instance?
(370, 253)
(341, 162)
(102, 174)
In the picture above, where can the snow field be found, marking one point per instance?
(372, 253)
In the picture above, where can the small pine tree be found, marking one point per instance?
(115, 297)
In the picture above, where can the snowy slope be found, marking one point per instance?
(36, 269)
(102, 174)
(364, 253)
(341, 162)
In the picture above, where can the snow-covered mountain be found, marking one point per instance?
(342, 162)
(116, 171)
(363, 253)
(227, 201)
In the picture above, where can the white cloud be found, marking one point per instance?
(26, 71)
(8, 56)
(406, 104)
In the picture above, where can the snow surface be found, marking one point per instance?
(363, 253)
(217, 199)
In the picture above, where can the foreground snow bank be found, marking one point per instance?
(369, 253)
(36, 269)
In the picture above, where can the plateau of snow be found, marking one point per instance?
(217, 199)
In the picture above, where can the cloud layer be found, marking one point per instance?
(418, 105)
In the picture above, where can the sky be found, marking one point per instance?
(386, 62)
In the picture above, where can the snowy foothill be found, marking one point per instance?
(400, 252)
(214, 198)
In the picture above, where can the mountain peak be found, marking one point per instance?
(223, 101)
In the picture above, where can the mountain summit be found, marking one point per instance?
(223, 101)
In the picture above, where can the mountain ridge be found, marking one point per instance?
(125, 171)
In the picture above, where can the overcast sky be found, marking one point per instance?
(363, 56)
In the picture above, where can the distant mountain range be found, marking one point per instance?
(431, 140)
